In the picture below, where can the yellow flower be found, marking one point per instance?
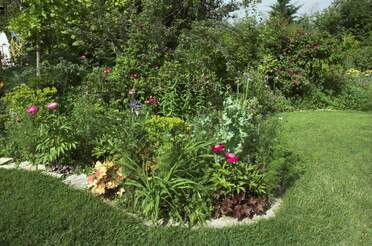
(120, 172)
(108, 164)
(112, 184)
(120, 192)
(119, 178)
(99, 189)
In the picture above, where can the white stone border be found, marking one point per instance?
(225, 221)
(76, 181)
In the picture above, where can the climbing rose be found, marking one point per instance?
(231, 158)
(107, 70)
(152, 101)
(218, 148)
(52, 105)
(32, 110)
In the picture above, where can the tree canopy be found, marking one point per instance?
(284, 9)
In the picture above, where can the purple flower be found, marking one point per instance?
(52, 105)
(32, 110)
(135, 105)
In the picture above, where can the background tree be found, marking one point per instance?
(284, 9)
(353, 16)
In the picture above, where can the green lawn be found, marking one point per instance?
(331, 204)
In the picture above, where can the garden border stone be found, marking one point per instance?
(5, 160)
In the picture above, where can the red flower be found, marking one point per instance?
(152, 101)
(107, 70)
(231, 158)
(218, 148)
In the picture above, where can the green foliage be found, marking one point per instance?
(234, 178)
(169, 197)
(56, 140)
(347, 16)
(284, 9)
(106, 147)
(21, 97)
(185, 89)
(238, 126)
(158, 126)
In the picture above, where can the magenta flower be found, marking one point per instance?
(52, 105)
(107, 70)
(218, 148)
(231, 158)
(152, 101)
(32, 110)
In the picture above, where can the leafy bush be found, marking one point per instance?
(238, 126)
(40, 134)
(23, 96)
(57, 140)
(169, 197)
(186, 88)
(158, 126)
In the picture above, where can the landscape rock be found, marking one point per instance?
(77, 181)
(30, 167)
(53, 174)
(9, 166)
(4, 161)
(25, 165)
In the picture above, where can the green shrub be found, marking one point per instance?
(173, 188)
(237, 128)
(105, 132)
(158, 126)
(17, 100)
(56, 140)
(187, 88)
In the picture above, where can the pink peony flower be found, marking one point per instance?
(32, 110)
(231, 158)
(152, 101)
(218, 148)
(52, 105)
(107, 70)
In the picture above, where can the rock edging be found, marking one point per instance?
(75, 181)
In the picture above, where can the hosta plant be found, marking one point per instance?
(107, 180)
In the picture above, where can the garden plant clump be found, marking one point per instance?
(173, 111)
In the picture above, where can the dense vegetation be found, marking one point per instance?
(174, 102)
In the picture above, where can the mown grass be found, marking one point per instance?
(331, 204)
